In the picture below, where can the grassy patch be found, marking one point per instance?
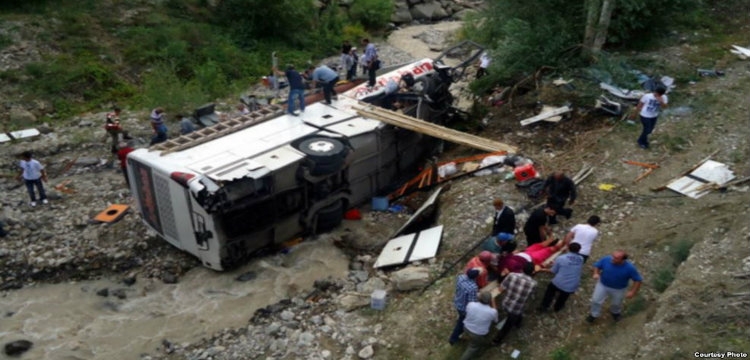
(561, 353)
(674, 143)
(635, 305)
(680, 251)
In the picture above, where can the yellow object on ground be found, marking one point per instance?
(607, 187)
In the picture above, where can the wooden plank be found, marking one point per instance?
(434, 130)
(545, 115)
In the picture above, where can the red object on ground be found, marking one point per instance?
(524, 172)
(353, 214)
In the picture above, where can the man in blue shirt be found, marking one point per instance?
(326, 77)
(567, 269)
(466, 292)
(296, 88)
(370, 61)
(613, 272)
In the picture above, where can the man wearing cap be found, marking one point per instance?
(326, 77)
(567, 269)
(482, 262)
(466, 292)
(613, 273)
(516, 289)
(479, 317)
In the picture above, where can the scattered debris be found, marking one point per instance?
(18, 135)
(708, 176)
(622, 93)
(421, 213)
(113, 213)
(710, 72)
(606, 187)
(411, 247)
(63, 187)
(548, 114)
(608, 105)
(743, 53)
(650, 167)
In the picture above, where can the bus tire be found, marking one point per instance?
(330, 216)
(327, 155)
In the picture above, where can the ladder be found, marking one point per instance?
(222, 128)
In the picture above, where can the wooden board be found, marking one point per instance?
(545, 115)
(741, 50)
(434, 130)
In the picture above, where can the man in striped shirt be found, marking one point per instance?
(466, 292)
(517, 288)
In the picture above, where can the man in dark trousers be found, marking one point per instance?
(537, 226)
(567, 269)
(503, 227)
(326, 77)
(505, 219)
(466, 292)
(559, 188)
(370, 61)
(516, 289)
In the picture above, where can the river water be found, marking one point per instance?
(69, 321)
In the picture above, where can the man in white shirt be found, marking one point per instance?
(584, 235)
(479, 317)
(649, 107)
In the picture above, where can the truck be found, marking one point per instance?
(247, 183)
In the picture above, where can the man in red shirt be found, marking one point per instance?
(122, 154)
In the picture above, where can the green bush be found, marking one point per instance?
(663, 278)
(681, 251)
(373, 14)
(163, 87)
(561, 353)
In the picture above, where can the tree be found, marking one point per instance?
(598, 17)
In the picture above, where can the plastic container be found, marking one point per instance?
(380, 203)
(524, 172)
(377, 299)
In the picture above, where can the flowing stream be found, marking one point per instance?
(69, 321)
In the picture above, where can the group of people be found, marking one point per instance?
(502, 270)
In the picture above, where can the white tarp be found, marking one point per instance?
(710, 172)
(19, 134)
(411, 247)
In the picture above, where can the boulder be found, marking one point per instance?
(462, 14)
(428, 11)
(169, 278)
(352, 302)
(17, 347)
(19, 115)
(371, 285)
(366, 352)
(410, 278)
(401, 16)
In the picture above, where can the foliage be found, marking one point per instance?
(523, 35)
(163, 87)
(561, 353)
(663, 278)
(5, 41)
(681, 251)
(249, 20)
(635, 305)
(373, 14)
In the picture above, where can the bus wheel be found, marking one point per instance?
(330, 216)
(326, 154)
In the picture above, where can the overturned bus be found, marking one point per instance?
(250, 182)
